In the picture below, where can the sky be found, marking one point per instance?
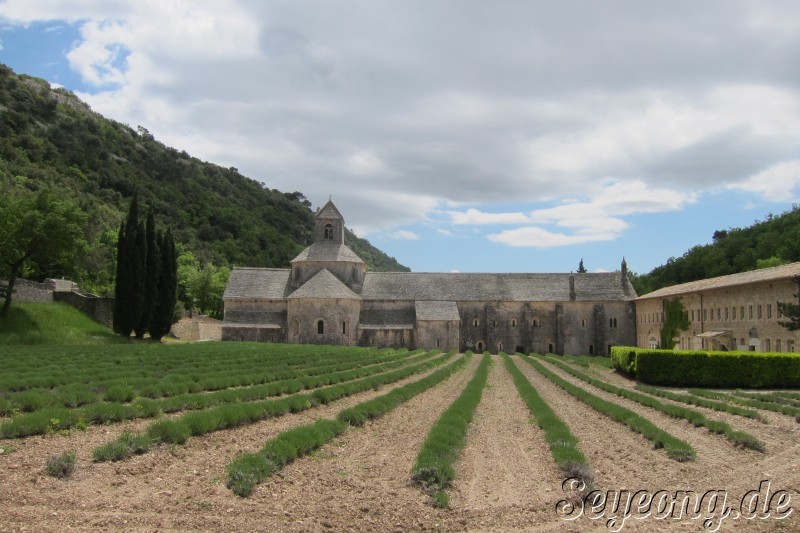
(459, 135)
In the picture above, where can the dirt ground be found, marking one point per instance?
(506, 478)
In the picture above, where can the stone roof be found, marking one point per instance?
(777, 273)
(427, 310)
(258, 284)
(328, 251)
(463, 287)
(329, 211)
(324, 285)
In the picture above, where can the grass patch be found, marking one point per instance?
(696, 418)
(563, 444)
(676, 449)
(52, 323)
(434, 469)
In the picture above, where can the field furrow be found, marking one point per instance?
(506, 463)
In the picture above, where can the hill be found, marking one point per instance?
(771, 242)
(49, 137)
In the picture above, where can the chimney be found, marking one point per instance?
(571, 288)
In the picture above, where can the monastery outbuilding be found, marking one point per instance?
(328, 297)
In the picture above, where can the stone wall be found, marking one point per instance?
(99, 309)
(31, 291)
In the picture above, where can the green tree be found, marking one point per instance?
(129, 283)
(37, 231)
(581, 268)
(791, 311)
(151, 276)
(676, 319)
(206, 288)
(167, 287)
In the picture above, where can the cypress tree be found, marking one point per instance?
(127, 291)
(150, 283)
(140, 265)
(119, 287)
(167, 287)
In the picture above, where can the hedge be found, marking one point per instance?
(750, 370)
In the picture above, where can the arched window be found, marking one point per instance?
(475, 322)
(513, 322)
(296, 326)
(494, 323)
(328, 232)
(344, 327)
(320, 327)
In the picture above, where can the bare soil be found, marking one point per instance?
(506, 478)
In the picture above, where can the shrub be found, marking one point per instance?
(61, 466)
(122, 447)
(119, 394)
(709, 369)
(623, 358)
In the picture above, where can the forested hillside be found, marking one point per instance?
(49, 138)
(771, 242)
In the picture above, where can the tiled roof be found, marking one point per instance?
(427, 310)
(328, 251)
(265, 283)
(754, 276)
(460, 287)
(258, 283)
(324, 285)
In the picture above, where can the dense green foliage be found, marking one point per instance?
(38, 231)
(51, 323)
(49, 138)
(752, 370)
(434, 469)
(770, 242)
(563, 444)
(676, 448)
(696, 418)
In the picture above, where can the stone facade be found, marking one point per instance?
(60, 290)
(735, 312)
(328, 297)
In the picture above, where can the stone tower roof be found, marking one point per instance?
(324, 285)
(328, 251)
(329, 211)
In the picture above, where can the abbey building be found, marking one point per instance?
(328, 297)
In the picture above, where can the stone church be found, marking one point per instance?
(328, 297)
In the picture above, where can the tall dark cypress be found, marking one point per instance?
(126, 309)
(119, 309)
(140, 265)
(150, 276)
(167, 287)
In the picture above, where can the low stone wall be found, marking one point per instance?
(99, 309)
(31, 291)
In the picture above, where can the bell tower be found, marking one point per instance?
(329, 225)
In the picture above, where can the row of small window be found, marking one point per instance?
(722, 313)
(729, 313)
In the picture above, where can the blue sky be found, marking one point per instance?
(459, 135)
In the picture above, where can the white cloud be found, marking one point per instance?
(473, 216)
(402, 109)
(404, 235)
(778, 183)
